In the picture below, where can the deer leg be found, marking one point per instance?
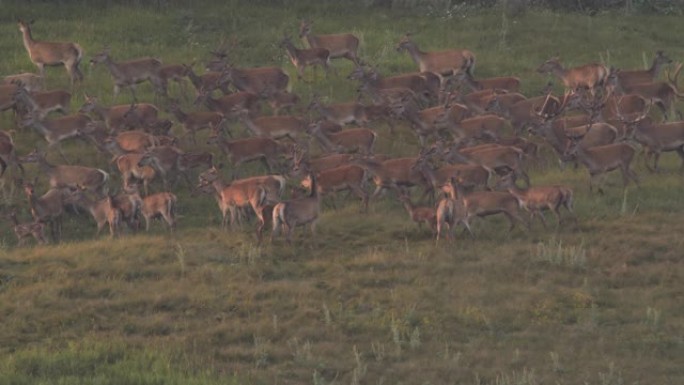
(680, 153)
(656, 159)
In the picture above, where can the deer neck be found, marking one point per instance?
(416, 54)
(113, 67)
(292, 53)
(249, 123)
(27, 38)
(323, 139)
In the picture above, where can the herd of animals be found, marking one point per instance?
(477, 136)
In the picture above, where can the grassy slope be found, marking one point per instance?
(379, 303)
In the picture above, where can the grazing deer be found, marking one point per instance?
(298, 212)
(275, 127)
(441, 63)
(539, 198)
(46, 53)
(352, 139)
(102, 210)
(244, 150)
(123, 116)
(132, 72)
(48, 208)
(343, 45)
(89, 178)
(197, 120)
(162, 204)
(28, 80)
(23, 231)
(589, 76)
(302, 58)
(420, 214)
(629, 77)
(600, 160)
(43, 102)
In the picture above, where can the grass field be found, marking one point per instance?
(375, 302)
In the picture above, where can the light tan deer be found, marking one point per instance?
(123, 116)
(539, 198)
(92, 179)
(23, 231)
(46, 53)
(130, 73)
(342, 45)
(441, 63)
(600, 160)
(127, 164)
(162, 204)
(590, 76)
(302, 58)
(130, 141)
(629, 77)
(353, 139)
(129, 203)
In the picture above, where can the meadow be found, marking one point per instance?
(375, 301)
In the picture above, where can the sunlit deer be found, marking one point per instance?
(600, 160)
(102, 210)
(162, 204)
(590, 76)
(344, 45)
(441, 63)
(132, 72)
(45, 53)
(28, 80)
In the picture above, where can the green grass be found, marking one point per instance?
(376, 301)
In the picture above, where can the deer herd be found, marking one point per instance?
(477, 137)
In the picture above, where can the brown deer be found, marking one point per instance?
(298, 212)
(244, 150)
(450, 212)
(89, 178)
(228, 105)
(258, 80)
(132, 72)
(441, 63)
(127, 164)
(162, 204)
(505, 83)
(657, 138)
(41, 103)
(329, 181)
(425, 84)
(282, 101)
(399, 174)
(302, 58)
(342, 45)
(46, 53)
(208, 82)
(589, 76)
(165, 160)
(123, 116)
(420, 214)
(28, 80)
(275, 127)
(8, 154)
(173, 72)
(102, 210)
(629, 77)
(491, 157)
(340, 113)
(353, 139)
(663, 94)
(48, 208)
(59, 129)
(600, 160)
(194, 121)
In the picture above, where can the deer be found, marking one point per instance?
(131, 141)
(425, 84)
(127, 164)
(450, 211)
(47, 53)
(342, 45)
(302, 58)
(420, 214)
(8, 154)
(282, 101)
(275, 127)
(329, 181)
(505, 83)
(254, 192)
(259, 80)
(244, 150)
(129, 203)
(340, 113)
(123, 116)
(590, 76)
(161, 204)
(42, 103)
(600, 160)
(398, 173)
(228, 105)
(297, 212)
(23, 231)
(172, 72)
(194, 121)
(361, 139)
(102, 210)
(165, 160)
(467, 175)
(30, 81)
(48, 208)
(630, 77)
(539, 198)
(59, 129)
(657, 138)
(663, 94)
(491, 157)
(441, 63)
(301, 159)
(479, 127)
(486, 203)
(208, 82)
(7, 99)
(92, 179)
(130, 73)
